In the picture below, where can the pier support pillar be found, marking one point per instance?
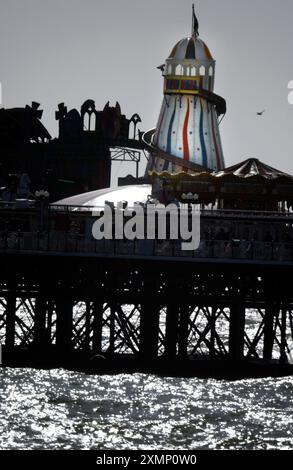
(88, 314)
(111, 348)
(49, 333)
(172, 320)
(149, 329)
(97, 327)
(40, 334)
(236, 334)
(10, 318)
(283, 356)
(270, 313)
(64, 310)
(212, 321)
(183, 331)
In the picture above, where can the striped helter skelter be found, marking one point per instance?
(188, 127)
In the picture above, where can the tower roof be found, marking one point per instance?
(191, 48)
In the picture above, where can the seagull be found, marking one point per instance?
(161, 67)
(260, 113)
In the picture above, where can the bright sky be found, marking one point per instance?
(54, 51)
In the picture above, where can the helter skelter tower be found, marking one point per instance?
(187, 136)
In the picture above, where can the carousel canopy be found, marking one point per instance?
(250, 168)
(253, 167)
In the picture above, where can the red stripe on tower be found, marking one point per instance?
(185, 136)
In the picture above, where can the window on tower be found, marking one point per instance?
(193, 71)
(202, 70)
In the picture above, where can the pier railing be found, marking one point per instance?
(62, 242)
(68, 229)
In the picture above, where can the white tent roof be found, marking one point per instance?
(131, 194)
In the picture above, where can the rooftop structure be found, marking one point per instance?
(78, 160)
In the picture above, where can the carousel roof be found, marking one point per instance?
(253, 167)
(250, 168)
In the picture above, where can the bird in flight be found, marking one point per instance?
(260, 113)
(161, 67)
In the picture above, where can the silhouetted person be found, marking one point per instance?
(23, 187)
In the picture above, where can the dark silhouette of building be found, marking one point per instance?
(79, 160)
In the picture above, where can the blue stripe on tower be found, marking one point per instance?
(218, 167)
(170, 130)
(166, 166)
(203, 145)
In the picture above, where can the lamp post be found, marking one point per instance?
(42, 204)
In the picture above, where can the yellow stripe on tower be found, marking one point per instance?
(172, 55)
(207, 51)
